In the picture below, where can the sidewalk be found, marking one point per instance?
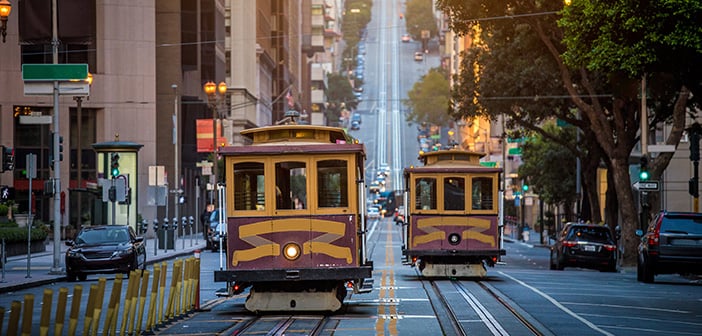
(14, 276)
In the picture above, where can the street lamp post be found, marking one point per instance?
(215, 94)
(79, 147)
(5, 9)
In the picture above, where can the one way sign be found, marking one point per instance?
(647, 186)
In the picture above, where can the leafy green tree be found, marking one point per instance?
(600, 51)
(428, 100)
(550, 167)
(339, 96)
(419, 16)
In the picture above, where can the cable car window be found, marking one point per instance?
(291, 185)
(426, 193)
(332, 180)
(482, 193)
(249, 186)
(454, 193)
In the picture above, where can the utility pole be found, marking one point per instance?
(56, 266)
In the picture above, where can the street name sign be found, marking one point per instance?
(647, 186)
(54, 72)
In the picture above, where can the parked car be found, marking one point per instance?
(355, 125)
(406, 38)
(373, 212)
(214, 241)
(104, 249)
(584, 245)
(672, 244)
(419, 56)
(356, 117)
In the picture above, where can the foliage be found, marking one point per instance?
(4, 209)
(428, 100)
(357, 14)
(607, 44)
(339, 96)
(419, 16)
(554, 185)
(17, 234)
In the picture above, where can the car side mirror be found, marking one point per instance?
(639, 233)
(69, 243)
(139, 239)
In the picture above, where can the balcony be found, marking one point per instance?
(318, 74)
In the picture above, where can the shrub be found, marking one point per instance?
(17, 234)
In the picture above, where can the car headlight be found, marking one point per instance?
(73, 253)
(291, 251)
(122, 253)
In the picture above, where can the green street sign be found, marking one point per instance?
(489, 164)
(515, 151)
(54, 72)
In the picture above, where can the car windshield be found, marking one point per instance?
(103, 236)
(590, 234)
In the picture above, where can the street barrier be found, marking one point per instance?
(127, 310)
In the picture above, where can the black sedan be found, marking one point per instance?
(584, 245)
(104, 249)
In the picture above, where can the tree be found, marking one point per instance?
(339, 96)
(420, 17)
(428, 100)
(593, 52)
(509, 73)
(550, 167)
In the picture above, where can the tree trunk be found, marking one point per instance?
(629, 220)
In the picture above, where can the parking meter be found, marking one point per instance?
(156, 234)
(144, 226)
(155, 225)
(165, 223)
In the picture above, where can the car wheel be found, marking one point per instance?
(82, 276)
(559, 263)
(646, 272)
(70, 277)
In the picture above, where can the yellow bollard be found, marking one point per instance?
(175, 288)
(154, 293)
(113, 305)
(75, 310)
(97, 308)
(13, 323)
(171, 292)
(161, 289)
(179, 290)
(89, 309)
(142, 299)
(45, 312)
(133, 302)
(27, 318)
(127, 303)
(60, 311)
(186, 292)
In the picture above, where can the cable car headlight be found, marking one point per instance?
(291, 251)
(454, 239)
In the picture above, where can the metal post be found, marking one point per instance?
(79, 157)
(156, 236)
(30, 169)
(176, 177)
(114, 203)
(56, 267)
(175, 232)
(2, 259)
(183, 224)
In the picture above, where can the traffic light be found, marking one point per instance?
(525, 187)
(8, 159)
(114, 165)
(643, 171)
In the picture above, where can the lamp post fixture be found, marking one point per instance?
(79, 147)
(215, 94)
(5, 9)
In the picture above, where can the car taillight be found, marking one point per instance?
(568, 243)
(610, 247)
